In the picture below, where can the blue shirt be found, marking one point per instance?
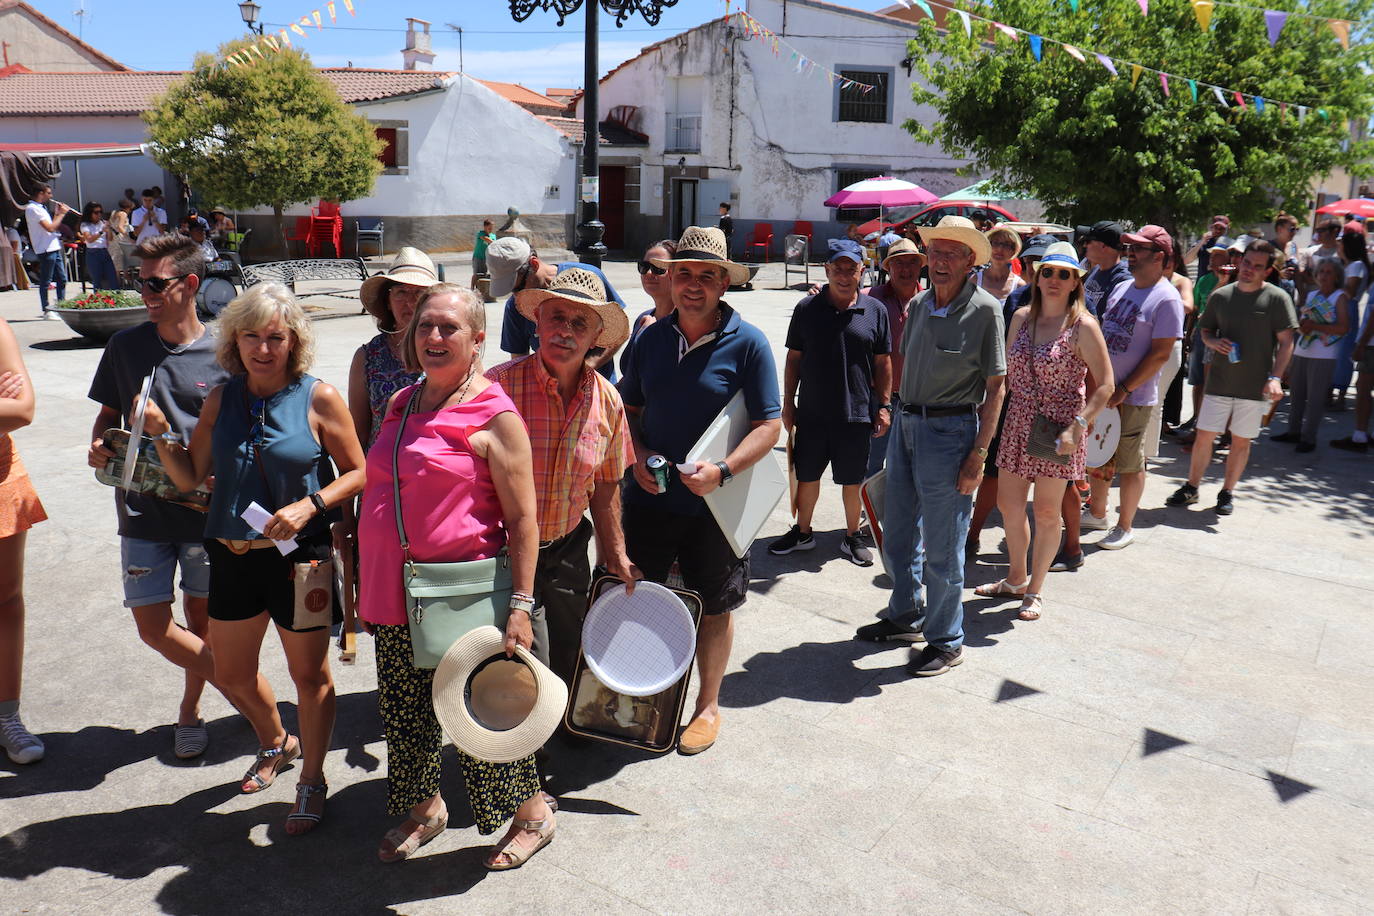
(681, 393)
(1098, 285)
(838, 350)
(518, 335)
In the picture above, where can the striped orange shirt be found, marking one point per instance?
(573, 449)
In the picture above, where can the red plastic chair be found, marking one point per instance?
(325, 228)
(329, 208)
(762, 238)
(803, 227)
(302, 233)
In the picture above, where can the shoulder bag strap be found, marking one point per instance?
(395, 470)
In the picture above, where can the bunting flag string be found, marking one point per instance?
(282, 39)
(803, 64)
(1203, 9)
(1273, 21)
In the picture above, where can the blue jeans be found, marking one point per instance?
(100, 269)
(877, 449)
(51, 267)
(925, 522)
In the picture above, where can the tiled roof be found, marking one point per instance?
(526, 98)
(610, 134)
(62, 33)
(131, 92)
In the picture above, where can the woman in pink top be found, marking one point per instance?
(467, 490)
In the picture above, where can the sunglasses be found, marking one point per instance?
(646, 268)
(1140, 248)
(259, 414)
(159, 284)
(1057, 273)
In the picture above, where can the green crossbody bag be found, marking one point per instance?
(446, 600)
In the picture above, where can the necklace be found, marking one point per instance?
(179, 348)
(466, 382)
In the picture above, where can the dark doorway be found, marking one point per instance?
(612, 206)
(684, 204)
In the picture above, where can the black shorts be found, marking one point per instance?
(655, 538)
(242, 586)
(843, 446)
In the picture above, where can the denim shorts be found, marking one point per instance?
(150, 566)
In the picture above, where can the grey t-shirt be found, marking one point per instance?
(180, 386)
(950, 354)
(1252, 321)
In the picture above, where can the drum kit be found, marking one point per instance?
(221, 284)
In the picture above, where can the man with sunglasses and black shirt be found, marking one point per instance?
(157, 536)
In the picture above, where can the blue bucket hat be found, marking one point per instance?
(846, 248)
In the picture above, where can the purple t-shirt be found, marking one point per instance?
(1131, 321)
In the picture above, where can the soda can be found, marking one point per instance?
(1234, 354)
(658, 466)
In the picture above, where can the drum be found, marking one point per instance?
(214, 294)
(1104, 438)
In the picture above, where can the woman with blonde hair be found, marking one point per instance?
(998, 277)
(1053, 345)
(268, 436)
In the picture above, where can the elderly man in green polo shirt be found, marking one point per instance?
(950, 398)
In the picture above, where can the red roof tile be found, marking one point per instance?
(526, 98)
(131, 92)
(609, 134)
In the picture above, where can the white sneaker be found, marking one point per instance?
(50, 315)
(1116, 539)
(18, 742)
(1090, 522)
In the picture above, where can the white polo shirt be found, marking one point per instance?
(140, 222)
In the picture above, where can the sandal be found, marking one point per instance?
(301, 814)
(1001, 589)
(280, 757)
(1031, 606)
(403, 843)
(516, 855)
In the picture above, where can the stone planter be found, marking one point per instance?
(102, 324)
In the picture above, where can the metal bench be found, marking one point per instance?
(289, 273)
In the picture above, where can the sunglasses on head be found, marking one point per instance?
(159, 284)
(646, 268)
(1057, 273)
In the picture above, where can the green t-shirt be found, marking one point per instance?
(479, 247)
(1253, 321)
(1201, 290)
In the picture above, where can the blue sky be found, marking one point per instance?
(165, 34)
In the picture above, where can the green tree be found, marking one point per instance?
(272, 132)
(1093, 147)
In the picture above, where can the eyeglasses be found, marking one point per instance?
(576, 323)
(259, 413)
(1057, 273)
(1139, 249)
(646, 268)
(159, 284)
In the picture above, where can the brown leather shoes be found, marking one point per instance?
(698, 736)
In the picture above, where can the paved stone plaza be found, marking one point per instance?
(1190, 727)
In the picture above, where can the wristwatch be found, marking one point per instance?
(1080, 421)
(317, 501)
(980, 452)
(170, 438)
(725, 474)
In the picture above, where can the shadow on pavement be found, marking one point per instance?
(818, 672)
(70, 343)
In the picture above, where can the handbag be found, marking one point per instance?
(1044, 432)
(446, 600)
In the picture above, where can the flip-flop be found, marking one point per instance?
(1001, 589)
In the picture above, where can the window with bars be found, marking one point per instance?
(843, 179)
(856, 104)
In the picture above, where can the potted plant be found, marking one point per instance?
(100, 314)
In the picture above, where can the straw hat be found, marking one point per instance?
(1002, 230)
(959, 229)
(580, 287)
(494, 708)
(901, 249)
(411, 266)
(705, 245)
(1062, 254)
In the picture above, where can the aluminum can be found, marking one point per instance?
(1234, 354)
(658, 466)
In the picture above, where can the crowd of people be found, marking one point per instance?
(971, 385)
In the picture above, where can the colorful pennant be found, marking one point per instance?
(275, 43)
(803, 64)
(1203, 9)
(1273, 21)
(1034, 41)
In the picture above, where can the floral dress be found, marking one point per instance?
(1055, 389)
(385, 376)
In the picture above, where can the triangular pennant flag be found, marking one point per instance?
(315, 14)
(968, 28)
(1073, 5)
(924, 7)
(272, 42)
(285, 38)
(1202, 9)
(1164, 82)
(333, 11)
(1273, 21)
(254, 49)
(1034, 41)
(1007, 31)
(1135, 74)
(1106, 61)
(1342, 30)
(1144, 7)
(1302, 113)
(1192, 87)
(298, 30)
(1217, 92)
(1240, 99)
(1074, 53)
(1283, 111)
(348, 5)
(1259, 104)
(1322, 112)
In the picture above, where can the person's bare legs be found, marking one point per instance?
(1131, 487)
(715, 636)
(983, 504)
(11, 616)
(1071, 509)
(307, 659)
(1236, 460)
(808, 492)
(1012, 490)
(853, 505)
(236, 645)
(182, 646)
(1201, 456)
(1099, 490)
(1048, 506)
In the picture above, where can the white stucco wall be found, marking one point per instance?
(38, 46)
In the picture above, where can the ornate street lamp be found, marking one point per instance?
(589, 248)
(249, 11)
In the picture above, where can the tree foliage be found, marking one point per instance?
(273, 132)
(1093, 147)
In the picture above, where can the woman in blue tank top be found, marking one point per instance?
(268, 436)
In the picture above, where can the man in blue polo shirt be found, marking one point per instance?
(839, 349)
(679, 376)
(514, 266)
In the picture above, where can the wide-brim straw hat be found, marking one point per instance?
(410, 266)
(704, 245)
(459, 700)
(1062, 254)
(959, 229)
(901, 249)
(581, 287)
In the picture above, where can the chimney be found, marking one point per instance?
(416, 54)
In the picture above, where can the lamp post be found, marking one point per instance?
(589, 249)
(249, 11)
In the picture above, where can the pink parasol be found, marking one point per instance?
(881, 192)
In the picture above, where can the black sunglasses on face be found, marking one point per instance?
(1140, 248)
(646, 268)
(159, 284)
(1058, 273)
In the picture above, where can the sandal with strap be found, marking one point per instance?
(301, 815)
(403, 843)
(515, 856)
(1031, 606)
(1001, 589)
(280, 757)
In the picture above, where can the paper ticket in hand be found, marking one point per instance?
(257, 517)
